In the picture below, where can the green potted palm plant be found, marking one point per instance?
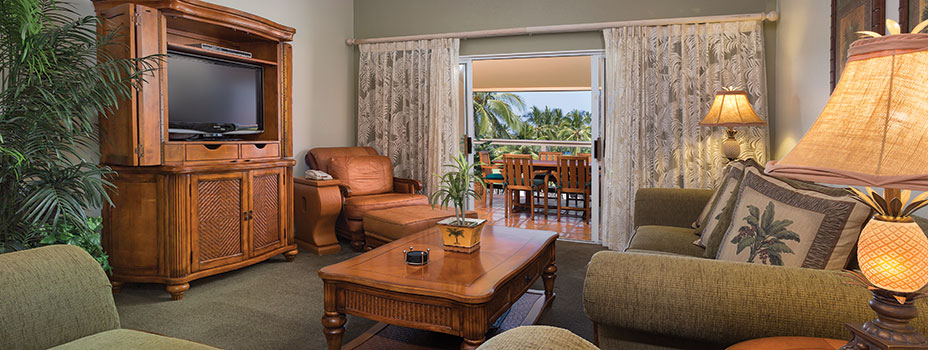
(56, 79)
(459, 234)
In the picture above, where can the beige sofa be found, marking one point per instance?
(662, 294)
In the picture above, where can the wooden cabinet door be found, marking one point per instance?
(220, 207)
(131, 135)
(267, 208)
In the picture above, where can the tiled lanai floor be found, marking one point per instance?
(571, 226)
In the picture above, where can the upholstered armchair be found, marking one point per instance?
(366, 183)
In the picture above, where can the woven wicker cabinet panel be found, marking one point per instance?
(219, 208)
(266, 204)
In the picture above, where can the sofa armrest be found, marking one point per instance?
(721, 302)
(401, 185)
(669, 206)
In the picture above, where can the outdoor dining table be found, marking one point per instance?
(548, 166)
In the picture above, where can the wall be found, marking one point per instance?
(378, 18)
(324, 101)
(803, 63)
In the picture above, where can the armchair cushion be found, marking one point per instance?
(363, 175)
(357, 206)
(52, 295)
(130, 339)
(537, 338)
(318, 158)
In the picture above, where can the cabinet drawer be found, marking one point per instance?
(211, 152)
(260, 150)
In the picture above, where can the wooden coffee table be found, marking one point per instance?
(455, 293)
(789, 343)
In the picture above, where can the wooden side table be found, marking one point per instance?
(789, 343)
(316, 205)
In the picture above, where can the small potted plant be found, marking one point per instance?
(459, 234)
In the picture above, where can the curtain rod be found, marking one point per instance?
(571, 28)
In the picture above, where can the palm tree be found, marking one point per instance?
(765, 236)
(575, 126)
(53, 85)
(545, 122)
(496, 113)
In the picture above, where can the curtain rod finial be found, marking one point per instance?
(772, 16)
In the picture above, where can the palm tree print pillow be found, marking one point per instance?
(774, 223)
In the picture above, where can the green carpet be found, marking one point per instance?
(278, 305)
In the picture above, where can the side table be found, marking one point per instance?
(316, 205)
(789, 343)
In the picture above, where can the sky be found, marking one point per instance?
(565, 100)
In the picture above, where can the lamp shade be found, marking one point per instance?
(874, 128)
(893, 255)
(731, 108)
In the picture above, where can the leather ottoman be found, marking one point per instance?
(388, 225)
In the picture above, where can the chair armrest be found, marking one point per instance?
(537, 338)
(721, 302)
(401, 185)
(53, 295)
(669, 206)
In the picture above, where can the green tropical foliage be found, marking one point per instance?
(496, 117)
(765, 236)
(455, 186)
(496, 114)
(54, 82)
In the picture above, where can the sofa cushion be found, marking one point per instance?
(356, 206)
(777, 224)
(395, 223)
(664, 239)
(130, 339)
(318, 158)
(364, 175)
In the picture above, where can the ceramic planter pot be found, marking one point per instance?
(464, 239)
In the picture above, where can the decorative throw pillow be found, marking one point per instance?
(721, 216)
(727, 188)
(775, 223)
(704, 215)
(722, 199)
(363, 175)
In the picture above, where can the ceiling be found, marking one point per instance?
(568, 73)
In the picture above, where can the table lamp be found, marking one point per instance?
(874, 132)
(730, 109)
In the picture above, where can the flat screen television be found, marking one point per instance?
(213, 97)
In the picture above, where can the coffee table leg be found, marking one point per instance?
(549, 275)
(333, 324)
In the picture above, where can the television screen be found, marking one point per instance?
(213, 96)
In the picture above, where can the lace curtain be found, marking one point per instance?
(661, 81)
(408, 105)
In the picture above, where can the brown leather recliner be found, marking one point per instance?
(367, 184)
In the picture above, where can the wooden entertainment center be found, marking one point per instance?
(190, 209)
